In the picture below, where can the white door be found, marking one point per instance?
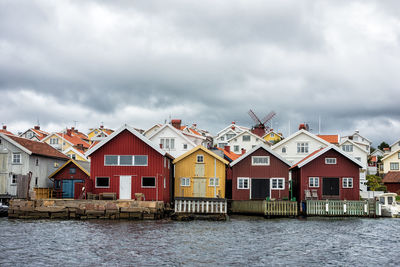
(125, 187)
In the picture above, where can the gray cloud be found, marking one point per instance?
(207, 62)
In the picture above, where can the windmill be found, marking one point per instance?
(261, 126)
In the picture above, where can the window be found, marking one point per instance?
(73, 156)
(165, 162)
(222, 145)
(358, 158)
(149, 182)
(111, 160)
(347, 148)
(390, 200)
(347, 182)
(260, 160)
(200, 158)
(16, 158)
(214, 182)
(283, 149)
(14, 178)
(246, 138)
(229, 136)
(53, 141)
(222, 138)
(102, 182)
(126, 160)
(278, 183)
(29, 135)
(167, 143)
(398, 155)
(243, 183)
(313, 182)
(72, 170)
(330, 160)
(236, 148)
(272, 135)
(302, 147)
(165, 183)
(37, 162)
(394, 166)
(57, 184)
(36, 181)
(185, 181)
(253, 146)
(184, 146)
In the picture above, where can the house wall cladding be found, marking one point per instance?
(317, 168)
(276, 169)
(128, 144)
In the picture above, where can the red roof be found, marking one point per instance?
(74, 139)
(231, 155)
(374, 159)
(38, 148)
(331, 138)
(4, 131)
(39, 133)
(392, 177)
(309, 156)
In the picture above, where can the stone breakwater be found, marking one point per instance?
(86, 209)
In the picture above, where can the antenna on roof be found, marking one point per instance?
(38, 122)
(319, 124)
(75, 123)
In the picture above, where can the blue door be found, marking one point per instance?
(68, 188)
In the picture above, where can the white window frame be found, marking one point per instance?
(236, 148)
(302, 148)
(330, 161)
(398, 155)
(313, 182)
(202, 158)
(211, 181)
(347, 148)
(168, 143)
(12, 182)
(155, 182)
(53, 141)
(185, 146)
(345, 182)
(105, 164)
(284, 150)
(277, 183)
(260, 164)
(95, 182)
(133, 161)
(185, 181)
(247, 135)
(14, 161)
(358, 158)
(392, 164)
(243, 179)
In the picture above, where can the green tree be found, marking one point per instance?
(375, 183)
(383, 145)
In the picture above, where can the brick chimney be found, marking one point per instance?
(37, 127)
(176, 124)
(303, 126)
(161, 146)
(227, 149)
(233, 126)
(243, 151)
(4, 127)
(80, 146)
(69, 132)
(101, 126)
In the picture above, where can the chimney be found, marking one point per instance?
(243, 151)
(80, 146)
(176, 124)
(69, 132)
(227, 149)
(194, 126)
(161, 146)
(233, 122)
(303, 126)
(4, 127)
(101, 126)
(73, 129)
(37, 127)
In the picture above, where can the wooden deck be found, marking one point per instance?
(342, 208)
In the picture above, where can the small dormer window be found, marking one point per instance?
(200, 159)
(283, 149)
(330, 161)
(29, 135)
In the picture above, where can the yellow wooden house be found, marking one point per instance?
(200, 173)
(98, 134)
(273, 137)
(72, 146)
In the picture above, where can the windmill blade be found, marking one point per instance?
(268, 117)
(254, 117)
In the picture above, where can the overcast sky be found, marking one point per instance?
(205, 62)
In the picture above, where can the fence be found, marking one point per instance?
(209, 206)
(342, 208)
(264, 207)
(41, 193)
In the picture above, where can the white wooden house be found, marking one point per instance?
(220, 140)
(359, 140)
(245, 141)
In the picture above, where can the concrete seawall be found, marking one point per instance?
(85, 209)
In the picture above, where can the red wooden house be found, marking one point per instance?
(70, 179)
(327, 173)
(392, 181)
(126, 163)
(259, 174)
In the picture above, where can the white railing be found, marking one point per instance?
(201, 206)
